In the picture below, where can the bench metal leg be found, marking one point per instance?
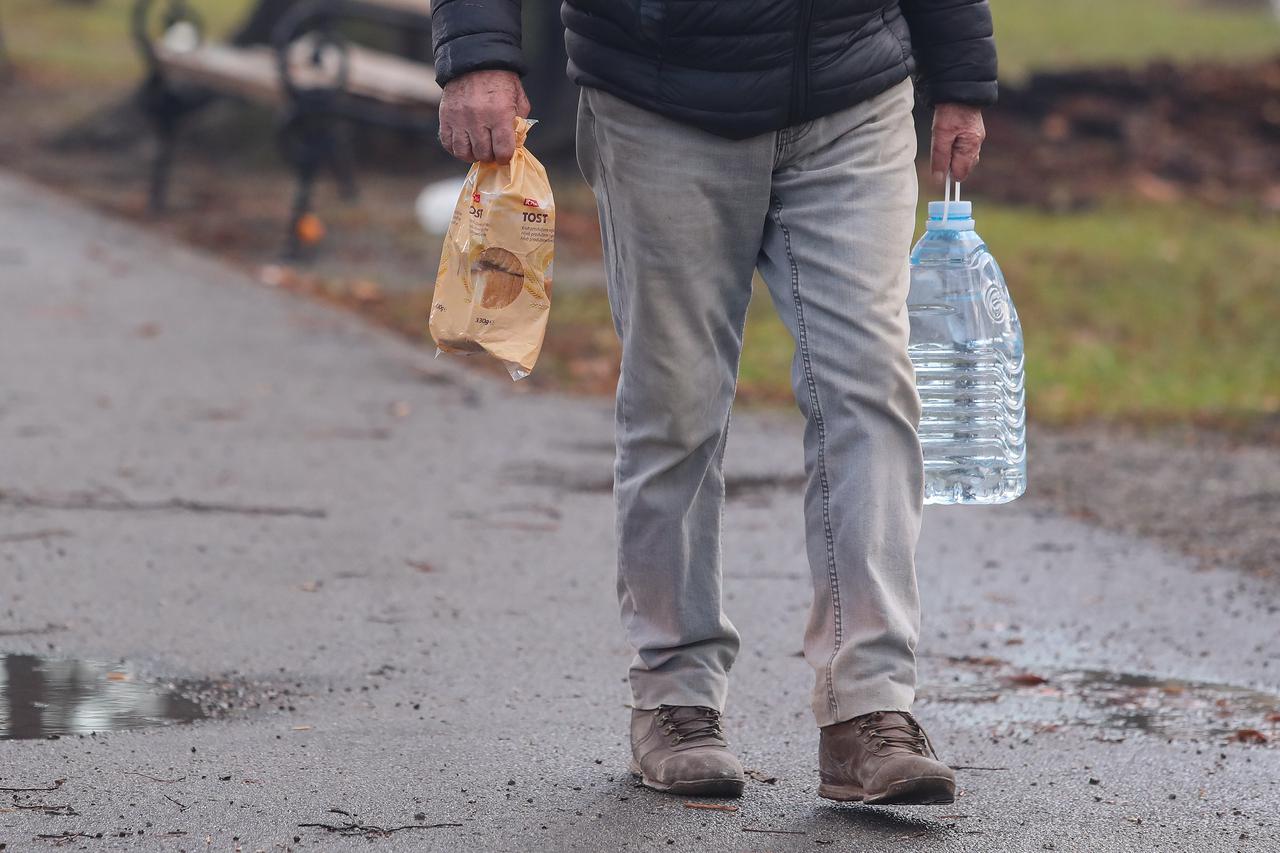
(165, 110)
(304, 140)
(306, 180)
(312, 142)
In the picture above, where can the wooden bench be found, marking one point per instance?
(314, 77)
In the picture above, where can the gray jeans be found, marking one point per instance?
(825, 211)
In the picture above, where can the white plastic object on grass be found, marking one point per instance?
(435, 204)
(182, 37)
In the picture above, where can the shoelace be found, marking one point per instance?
(692, 722)
(903, 734)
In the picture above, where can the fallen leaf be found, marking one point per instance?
(420, 566)
(1027, 679)
(117, 676)
(276, 275)
(760, 776)
(310, 586)
(976, 660)
(1249, 736)
(364, 290)
(401, 409)
(147, 330)
(302, 728)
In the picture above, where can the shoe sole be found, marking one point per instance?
(727, 788)
(921, 791)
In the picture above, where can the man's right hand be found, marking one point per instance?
(477, 116)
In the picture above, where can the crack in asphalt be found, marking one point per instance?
(87, 501)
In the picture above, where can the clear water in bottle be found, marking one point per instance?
(966, 346)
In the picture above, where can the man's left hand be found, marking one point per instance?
(957, 140)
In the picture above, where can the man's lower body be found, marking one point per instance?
(826, 212)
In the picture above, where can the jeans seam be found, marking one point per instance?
(622, 299)
(801, 131)
(802, 343)
(608, 208)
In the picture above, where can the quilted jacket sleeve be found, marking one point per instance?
(955, 48)
(470, 35)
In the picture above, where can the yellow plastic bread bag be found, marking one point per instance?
(493, 290)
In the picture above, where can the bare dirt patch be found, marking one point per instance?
(1196, 491)
(1165, 132)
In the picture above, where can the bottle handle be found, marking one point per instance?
(946, 201)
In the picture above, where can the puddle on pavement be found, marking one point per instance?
(1169, 706)
(1116, 702)
(43, 697)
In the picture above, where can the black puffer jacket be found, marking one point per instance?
(741, 67)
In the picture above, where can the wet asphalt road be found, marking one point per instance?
(399, 579)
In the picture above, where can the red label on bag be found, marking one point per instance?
(530, 202)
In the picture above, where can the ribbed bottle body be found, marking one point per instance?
(966, 347)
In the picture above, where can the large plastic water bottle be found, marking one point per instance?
(966, 346)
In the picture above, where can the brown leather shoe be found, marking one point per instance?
(883, 757)
(680, 749)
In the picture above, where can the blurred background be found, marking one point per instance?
(1130, 187)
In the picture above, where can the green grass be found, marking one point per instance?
(1043, 34)
(1143, 312)
(91, 41)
